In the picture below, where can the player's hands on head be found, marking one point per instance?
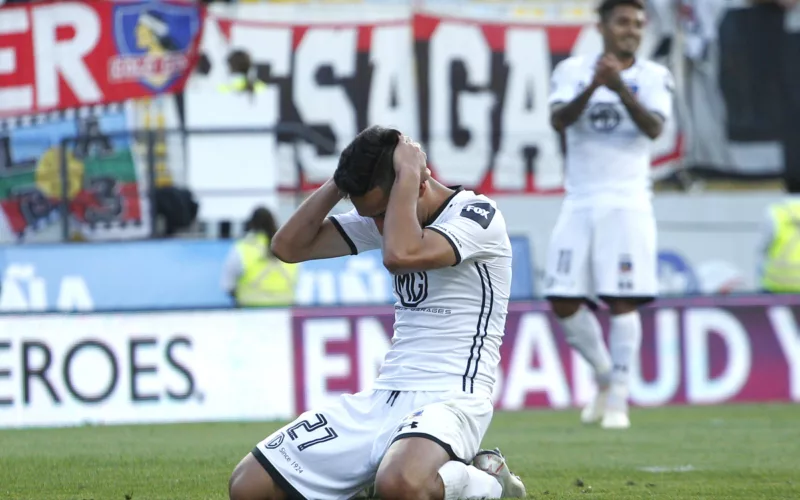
(608, 72)
(409, 155)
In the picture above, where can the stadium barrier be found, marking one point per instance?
(184, 274)
(181, 366)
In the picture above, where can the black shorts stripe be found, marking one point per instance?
(276, 476)
(353, 249)
(485, 324)
(447, 447)
(639, 299)
(465, 386)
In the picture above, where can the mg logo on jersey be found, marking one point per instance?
(411, 288)
(604, 117)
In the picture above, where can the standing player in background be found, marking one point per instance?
(415, 433)
(609, 108)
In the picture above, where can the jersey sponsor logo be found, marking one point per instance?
(411, 288)
(604, 117)
(482, 213)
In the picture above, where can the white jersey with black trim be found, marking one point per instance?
(608, 156)
(449, 322)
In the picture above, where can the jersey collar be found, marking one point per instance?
(438, 212)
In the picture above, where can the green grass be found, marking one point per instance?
(747, 452)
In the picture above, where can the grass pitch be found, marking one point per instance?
(742, 452)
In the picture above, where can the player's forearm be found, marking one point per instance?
(402, 234)
(566, 115)
(648, 122)
(303, 226)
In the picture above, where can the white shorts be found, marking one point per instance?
(603, 252)
(334, 453)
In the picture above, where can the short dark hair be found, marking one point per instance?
(367, 162)
(262, 221)
(608, 6)
(239, 61)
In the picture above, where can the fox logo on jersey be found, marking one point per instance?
(482, 213)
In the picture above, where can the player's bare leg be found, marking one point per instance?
(250, 481)
(418, 468)
(410, 470)
(625, 339)
(583, 333)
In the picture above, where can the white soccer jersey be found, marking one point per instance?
(449, 322)
(608, 157)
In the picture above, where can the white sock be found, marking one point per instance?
(625, 339)
(584, 333)
(465, 482)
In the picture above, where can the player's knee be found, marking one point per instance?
(239, 488)
(399, 485)
(564, 308)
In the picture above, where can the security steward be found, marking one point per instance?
(252, 275)
(781, 247)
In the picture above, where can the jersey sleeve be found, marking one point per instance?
(657, 94)
(360, 233)
(474, 232)
(563, 85)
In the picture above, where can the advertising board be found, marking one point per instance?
(144, 368)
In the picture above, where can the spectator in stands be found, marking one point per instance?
(243, 74)
(252, 275)
(203, 67)
(780, 249)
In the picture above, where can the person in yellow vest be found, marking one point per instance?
(243, 77)
(252, 275)
(780, 250)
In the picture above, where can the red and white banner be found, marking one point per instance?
(65, 54)
(694, 351)
(474, 92)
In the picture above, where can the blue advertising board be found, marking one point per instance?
(177, 274)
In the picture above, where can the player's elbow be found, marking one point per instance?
(282, 250)
(401, 262)
(394, 262)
